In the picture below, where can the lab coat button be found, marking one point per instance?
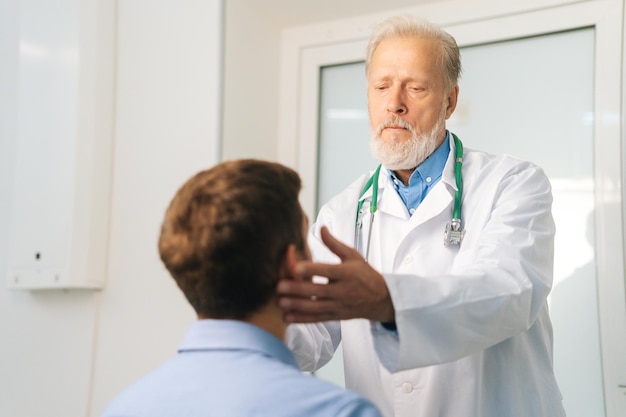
(408, 259)
(407, 388)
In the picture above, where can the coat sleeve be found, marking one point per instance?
(496, 287)
(313, 345)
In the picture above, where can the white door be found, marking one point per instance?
(535, 97)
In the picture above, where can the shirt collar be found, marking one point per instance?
(211, 334)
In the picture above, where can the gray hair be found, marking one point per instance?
(411, 26)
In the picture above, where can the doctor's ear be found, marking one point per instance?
(453, 96)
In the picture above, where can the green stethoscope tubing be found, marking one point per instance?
(456, 213)
(458, 165)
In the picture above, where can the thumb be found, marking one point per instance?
(343, 251)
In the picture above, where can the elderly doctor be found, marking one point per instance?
(438, 286)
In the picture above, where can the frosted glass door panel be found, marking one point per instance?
(532, 98)
(344, 129)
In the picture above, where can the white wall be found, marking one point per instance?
(251, 80)
(66, 353)
(166, 130)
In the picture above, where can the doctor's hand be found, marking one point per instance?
(354, 289)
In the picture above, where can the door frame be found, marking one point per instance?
(305, 50)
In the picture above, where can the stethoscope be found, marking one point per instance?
(453, 233)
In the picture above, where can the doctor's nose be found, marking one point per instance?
(398, 109)
(396, 105)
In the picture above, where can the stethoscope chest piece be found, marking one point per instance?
(453, 235)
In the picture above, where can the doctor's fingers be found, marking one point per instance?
(302, 289)
(306, 302)
(313, 310)
(308, 310)
(358, 290)
(348, 270)
(311, 306)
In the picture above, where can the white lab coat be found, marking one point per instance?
(474, 336)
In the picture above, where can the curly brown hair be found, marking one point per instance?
(225, 233)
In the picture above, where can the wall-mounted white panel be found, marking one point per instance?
(61, 192)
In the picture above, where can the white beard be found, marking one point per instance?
(407, 154)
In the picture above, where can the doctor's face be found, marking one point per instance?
(408, 101)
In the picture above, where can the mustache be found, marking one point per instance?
(395, 121)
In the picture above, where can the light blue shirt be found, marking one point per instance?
(230, 368)
(424, 178)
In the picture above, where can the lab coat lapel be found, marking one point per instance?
(345, 230)
(389, 202)
(441, 197)
(392, 210)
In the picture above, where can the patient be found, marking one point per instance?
(228, 236)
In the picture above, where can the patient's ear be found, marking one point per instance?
(288, 262)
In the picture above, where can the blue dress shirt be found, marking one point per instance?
(230, 368)
(423, 178)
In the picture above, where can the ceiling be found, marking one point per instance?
(287, 13)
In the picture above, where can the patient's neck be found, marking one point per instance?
(270, 318)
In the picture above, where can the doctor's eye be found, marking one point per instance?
(416, 89)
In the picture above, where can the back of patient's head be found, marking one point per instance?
(225, 233)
